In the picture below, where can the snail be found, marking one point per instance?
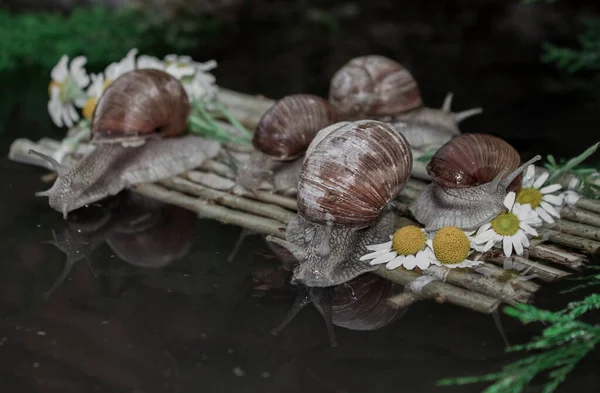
(376, 87)
(472, 174)
(347, 179)
(359, 304)
(137, 130)
(281, 137)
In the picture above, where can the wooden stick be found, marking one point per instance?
(544, 272)
(482, 284)
(588, 204)
(578, 215)
(487, 269)
(582, 230)
(212, 211)
(443, 292)
(586, 245)
(403, 300)
(226, 199)
(548, 252)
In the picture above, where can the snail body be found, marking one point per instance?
(376, 87)
(347, 180)
(282, 136)
(125, 155)
(472, 174)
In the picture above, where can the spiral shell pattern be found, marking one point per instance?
(470, 160)
(373, 86)
(141, 104)
(352, 173)
(288, 127)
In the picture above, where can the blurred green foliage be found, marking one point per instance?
(100, 34)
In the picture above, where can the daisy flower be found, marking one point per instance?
(198, 82)
(149, 62)
(510, 227)
(66, 90)
(94, 92)
(116, 69)
(540, 198)
(450, 247)
(407, 248)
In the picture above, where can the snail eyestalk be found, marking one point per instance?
(447, 102)
(508, 179)
(460, 116)
(58, 167)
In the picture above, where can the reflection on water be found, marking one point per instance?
(141, 232)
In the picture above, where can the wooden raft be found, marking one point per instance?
(210, 191)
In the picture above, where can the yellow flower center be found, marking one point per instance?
(88, 108)
(52, 84)
(506, 224)
(530, 195)
(408, 240)
(451, 245)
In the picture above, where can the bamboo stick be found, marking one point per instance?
(488, 269)
(544, 272)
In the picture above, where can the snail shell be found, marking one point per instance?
(373, 86)
(288, 127)
(472, 174)
(473, 159)
(352, 173)
(140, 105)
(283, 134)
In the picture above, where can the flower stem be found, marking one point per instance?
(238, 126)
(572, 163)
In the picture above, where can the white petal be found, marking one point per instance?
(78, 72)
(528, 229)
(374, 255)
(171, 57)
(54, 108)
(550, 209)
(384, 258)
(489, 244)
(509, 201)
(379, 247)
(486, 236)
(394, 263)
(524, 240)
(60, 70)
(545, 216)
(507, 246)
(516, 242)
(529, 176)
(409, 262)
(422, 260)
(551, 188)
(553, 199)
(540, 180)
(483, 228)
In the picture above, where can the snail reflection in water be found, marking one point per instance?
(350, 174)
(141, 232)
(138, 131)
